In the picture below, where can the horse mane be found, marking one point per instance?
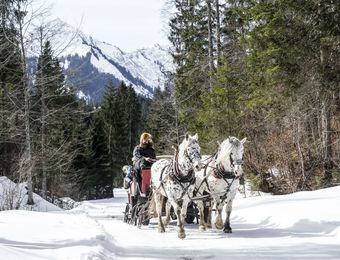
(226, 147)
(188, 140)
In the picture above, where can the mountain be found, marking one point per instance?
(89, 64)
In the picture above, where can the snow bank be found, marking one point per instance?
(14, 196)
(303, 225)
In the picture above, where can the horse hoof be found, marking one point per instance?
(218, 227)
(161, 230)
(227, 230)
(165, 221)
(181, 235)
(202, 228)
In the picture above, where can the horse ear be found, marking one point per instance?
(231, 139)
(243, 140)
(187, 136)
(195, 137)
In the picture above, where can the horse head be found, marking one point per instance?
(230, 155)
(190, 152)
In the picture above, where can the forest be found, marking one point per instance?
(268, 70)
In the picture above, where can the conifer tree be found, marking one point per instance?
(120, 113)
(55, 109)
(99, 178)
(11, 95)
(290, 45)
(162, 121)
(188, 30)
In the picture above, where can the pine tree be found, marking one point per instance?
(188, 30)
(121, 116)
(162, 121)
(286, 84)
(100, 174)
(55, 109)
(11, 97)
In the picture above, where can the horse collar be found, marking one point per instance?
(177, 176)
(220, 173)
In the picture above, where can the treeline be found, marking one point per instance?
(60, 144)
(266, 70)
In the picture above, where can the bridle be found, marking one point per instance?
(176, 173)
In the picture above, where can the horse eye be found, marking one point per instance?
(231, 159)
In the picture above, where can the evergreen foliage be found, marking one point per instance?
(162, 121)
(275, 79)
(120, 114)
(11, 97)
(265, 70)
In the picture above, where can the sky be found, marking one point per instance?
(302, 226)
(127, 24)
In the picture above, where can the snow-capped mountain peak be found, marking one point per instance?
(90, 63)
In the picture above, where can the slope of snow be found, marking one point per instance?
(14, 196)
(304, 225)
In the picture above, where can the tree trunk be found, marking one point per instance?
(210, 47)
(28, 163)
(43, 141)
(326, 142)
(218, 32)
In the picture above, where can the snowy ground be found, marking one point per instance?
(304, 225)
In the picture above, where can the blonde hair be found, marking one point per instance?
(145, 136)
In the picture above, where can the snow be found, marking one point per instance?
(146, 65)
(14, 195)
(303, 225)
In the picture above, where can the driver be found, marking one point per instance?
(143, 154)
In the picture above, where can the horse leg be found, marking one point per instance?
(202, 224)
(209, 212)
(229, 207)
(166, 220)
(218, 219)
(158, 201)
(180, 226)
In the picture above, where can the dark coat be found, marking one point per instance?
(139, 153)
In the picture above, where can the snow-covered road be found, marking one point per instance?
(304, 225)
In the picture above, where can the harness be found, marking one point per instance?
(176, 176)
(219, 173)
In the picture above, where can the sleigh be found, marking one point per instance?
(137, 210)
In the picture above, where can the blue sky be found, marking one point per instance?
(127, 24)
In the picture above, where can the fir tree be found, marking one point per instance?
(121, 116)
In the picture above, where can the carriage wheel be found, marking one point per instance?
(126, 213)
(134, 215)
(146, 222)
(143, 216)
(190, 214)
(146, 216)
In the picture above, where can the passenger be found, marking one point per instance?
(143, 154)
(127, 174)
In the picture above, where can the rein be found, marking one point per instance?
(218, 171)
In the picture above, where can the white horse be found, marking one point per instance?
(175, 180)
(220, 178)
